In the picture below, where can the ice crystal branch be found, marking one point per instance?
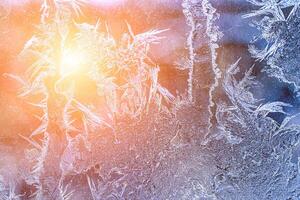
(120, 73)
(257, 145)
(213, 34)
(280, 32)
(8, 190)
(191, 21)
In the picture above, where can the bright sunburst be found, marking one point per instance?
(71, 62)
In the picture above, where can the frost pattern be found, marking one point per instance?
(144, 143)
(202, 42)
(187, 9)
(121, 73)
(214, 35)
(256, 154)
(278, 22)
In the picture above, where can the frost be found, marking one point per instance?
(279, 28)
(67, 119)
(201, 17)
(191, 21)
(213, 34)
(106, 127)
(8, 190)
(258, 162)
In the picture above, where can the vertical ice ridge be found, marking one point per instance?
(186, 4)
(213, 34)
(41, 163)
(201, 41)
(36, 173)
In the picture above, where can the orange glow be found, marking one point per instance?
(72, 61)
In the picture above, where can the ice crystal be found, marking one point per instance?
(256, 148)
(279, 28)
(105, 127)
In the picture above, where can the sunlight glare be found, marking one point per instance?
(71, 62)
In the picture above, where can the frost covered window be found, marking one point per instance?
(157, 99)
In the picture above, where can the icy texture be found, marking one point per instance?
(279, 25)
(127, 136)
(257, 159)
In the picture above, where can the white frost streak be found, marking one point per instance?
(213, 35)
(190, 43)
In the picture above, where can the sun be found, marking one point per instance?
(72, 61)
